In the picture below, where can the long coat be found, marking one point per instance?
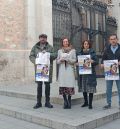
(66, 76)
(48, 48)
(91, 77)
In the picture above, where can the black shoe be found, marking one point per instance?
(107, 107)
(90, 107)
(48, 105)
(69, 106)
(65, 105)
(85, 105)
(38, 105)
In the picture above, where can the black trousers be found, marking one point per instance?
(47, 92)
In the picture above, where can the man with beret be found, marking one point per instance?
(43, 46)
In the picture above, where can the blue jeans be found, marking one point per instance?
(109, 84)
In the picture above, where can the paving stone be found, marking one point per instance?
(13, 123)
(59, 118)
(113, 125)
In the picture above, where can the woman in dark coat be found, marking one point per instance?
(87, 82)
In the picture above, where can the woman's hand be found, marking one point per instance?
(102, 66)
(77, 64)
(62, 60)
(91, 61)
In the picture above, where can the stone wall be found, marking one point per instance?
(12, 24)
(12, 39)
(21, 22)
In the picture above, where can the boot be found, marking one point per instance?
(65, 102)
(90, 100)
(47, 103)
(39, 96)
(69, 101)
(85, 99)
(38, 105)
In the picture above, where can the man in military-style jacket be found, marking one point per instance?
(43, 46)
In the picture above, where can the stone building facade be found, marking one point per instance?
(12, 39)
(21, 21)
(114, 10)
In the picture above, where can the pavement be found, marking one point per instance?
(13, 123)
(113, 125)
(17, 101)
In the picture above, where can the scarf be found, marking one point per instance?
(66, 50)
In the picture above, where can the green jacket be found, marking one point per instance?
(36, 49)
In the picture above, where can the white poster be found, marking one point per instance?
(43, 58)
(42, 66)
(84, 64)
(42, 73)
(111, 70)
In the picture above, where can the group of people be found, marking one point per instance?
(68, 68)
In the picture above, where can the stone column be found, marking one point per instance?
(44, 18)
(44, 23)
(39, 20)
(31, 23)
(31, 37)
(116, 11)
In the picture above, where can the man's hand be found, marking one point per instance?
(102, 66)
(77, 64)
(43, 51)
(91, 61)
(119, 63)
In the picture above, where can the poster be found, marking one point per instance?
(111, 70)
(42, 66)
(43, 58)
(84, 64)
(42, 72)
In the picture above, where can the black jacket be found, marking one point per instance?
(109, 55)
(91, 77)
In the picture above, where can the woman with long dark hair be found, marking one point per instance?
(87, 82)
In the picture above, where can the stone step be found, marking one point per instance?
(113, 125)
(27, 90)
(59, 118)
(13, 123)
(56, 100)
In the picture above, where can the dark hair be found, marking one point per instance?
(113, 65)
(62, 41)
(90, 44)
(113, 35)
(42, 36)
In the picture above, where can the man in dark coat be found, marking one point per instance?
(112, 52)
(43, 46)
